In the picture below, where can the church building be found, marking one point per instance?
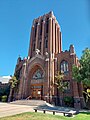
(36, 73)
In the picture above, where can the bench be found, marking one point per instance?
(69, 114)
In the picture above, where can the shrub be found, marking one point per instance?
(68, 101)
(4, 98)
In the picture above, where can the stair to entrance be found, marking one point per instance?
(29, 102)
(42, 105)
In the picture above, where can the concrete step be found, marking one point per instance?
(29, 102)
(43, 105)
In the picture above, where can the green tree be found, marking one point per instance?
(13, 87)
(82, 72)
(61, 86)
(59, 81)
(5, 90)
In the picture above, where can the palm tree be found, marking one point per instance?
(61, 86)
(13, 81)
(13, 84)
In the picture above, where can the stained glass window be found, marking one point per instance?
(38, 74)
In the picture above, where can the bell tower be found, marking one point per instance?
(46, 42)
(45, 35)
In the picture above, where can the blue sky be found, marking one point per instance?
(16, 18)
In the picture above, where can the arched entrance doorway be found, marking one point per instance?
(36, 82)
(37, 92)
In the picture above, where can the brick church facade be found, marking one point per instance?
(36, 73)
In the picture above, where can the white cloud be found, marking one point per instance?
(4, 79)
(8, 77)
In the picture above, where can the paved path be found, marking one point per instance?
(7, 109)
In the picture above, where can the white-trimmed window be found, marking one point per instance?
(64, 67)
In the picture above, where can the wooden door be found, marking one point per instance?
(36, 93)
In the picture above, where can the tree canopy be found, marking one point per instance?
(82, 73)
(59, 81)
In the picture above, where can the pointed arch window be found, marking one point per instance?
(64, 67)
(38, 74)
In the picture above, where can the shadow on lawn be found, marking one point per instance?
(64, 109)
(88, 113)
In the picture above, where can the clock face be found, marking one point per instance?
(38, 74)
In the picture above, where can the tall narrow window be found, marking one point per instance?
(64, 66)
(47, 25)
(46, 44)
(41, 28)
(34, 47)
(36, 28)
(40, 46)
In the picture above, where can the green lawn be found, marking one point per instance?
(41, 116)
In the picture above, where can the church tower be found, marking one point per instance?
(36, 73)
(45, 43)
(45, 35)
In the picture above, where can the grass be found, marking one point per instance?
(41, 116)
